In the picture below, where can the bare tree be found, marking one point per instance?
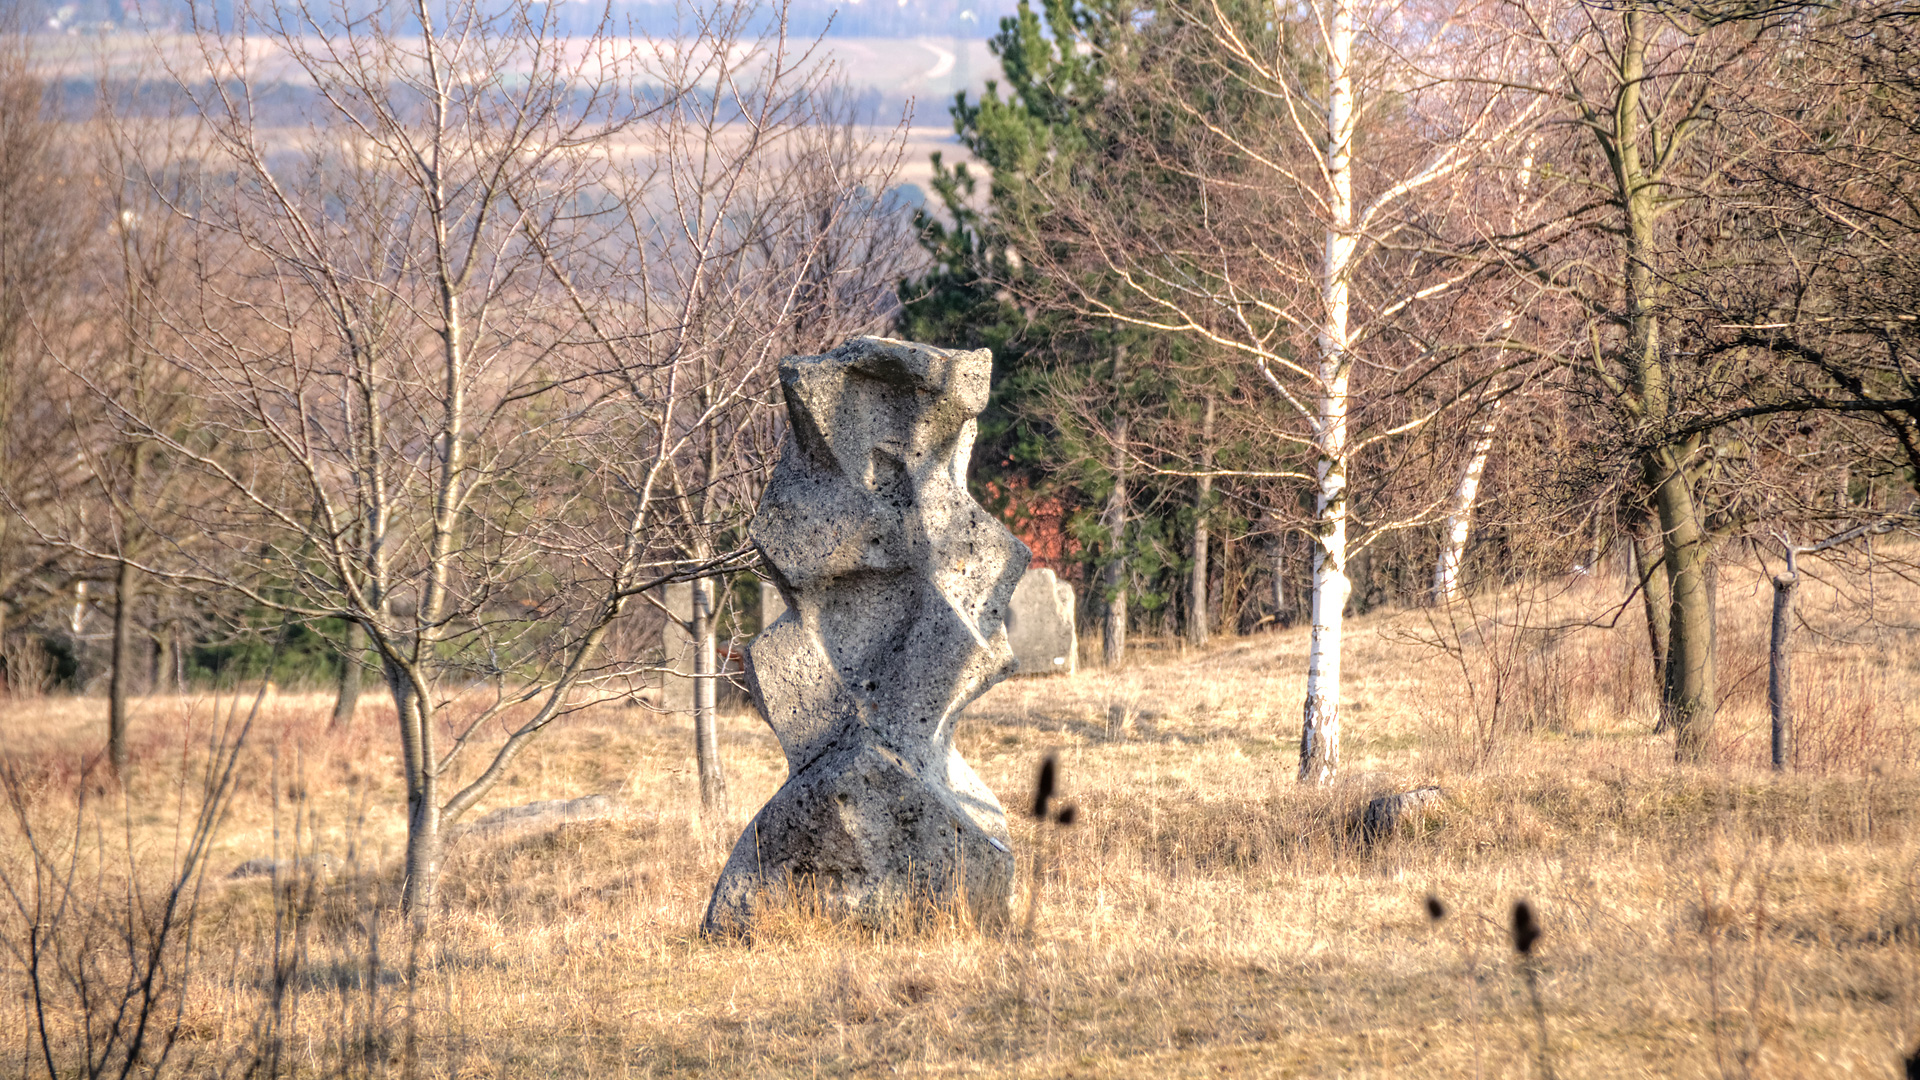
(1458, 524)
(1650, 126)
(44, 230)
(474, 351)
(758, 223)
(142, 165)
(1824, 229)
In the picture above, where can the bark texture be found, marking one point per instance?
(1689, 697)
(346, 697)
(1320, 724)
(1650, 566)
(1202, 495)
(119, 684)
(1466, 494)
(423, 800)
(706, 735)
(1113, 647)
(1780, 666)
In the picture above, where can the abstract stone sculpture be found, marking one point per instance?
(896, 585)
(1040, 625)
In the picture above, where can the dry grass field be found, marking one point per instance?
(1205, 916)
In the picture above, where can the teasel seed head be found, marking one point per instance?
(1526, 931)
(1043, 788)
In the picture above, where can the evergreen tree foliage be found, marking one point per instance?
(1043, 438)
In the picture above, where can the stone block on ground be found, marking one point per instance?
(322, 865)
(1388, 814)
(544, 814)
(1040, 625)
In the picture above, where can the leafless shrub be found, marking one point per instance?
(107, 951)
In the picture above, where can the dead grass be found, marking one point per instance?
(1205, 917)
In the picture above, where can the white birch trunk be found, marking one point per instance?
(1320, 728)
(1197, 625)
(1277, 557)
(706, 732)
(1459, 524)
(1114, 645)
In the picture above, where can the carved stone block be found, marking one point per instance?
(896, 585)
(1040, 625)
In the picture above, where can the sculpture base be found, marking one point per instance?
(858, 834)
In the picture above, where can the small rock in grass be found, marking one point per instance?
(1386, 814)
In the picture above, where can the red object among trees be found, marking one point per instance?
(1040, 521)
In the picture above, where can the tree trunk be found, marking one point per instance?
(1277, 557)
(1231, 597)
(1689, 698)
(162, 657)
(1459, 523)
(126, 586)
(1203, 494)
(1688, 688)
(1114, 640)
(423, 799)
(178, 648)
(1711, 577)
(423, 858)
(706, 737)
(1320, 724)
(1651, 567)
(1780, 665)
(346, 698)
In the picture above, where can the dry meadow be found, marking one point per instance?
(1205, 915)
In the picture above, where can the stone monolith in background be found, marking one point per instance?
(896, 585)
(771, 606)
(1040, 625)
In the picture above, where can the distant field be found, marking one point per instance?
(897, 78)
(926, 70)
(1206, 917)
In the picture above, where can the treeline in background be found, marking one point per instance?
(1304, 309)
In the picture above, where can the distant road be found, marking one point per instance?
(942, 63)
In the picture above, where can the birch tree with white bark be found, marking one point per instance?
(1245, 211)
(1457, 529)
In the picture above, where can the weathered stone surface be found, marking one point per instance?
(1386, 814)
(1040, 625)
(321, 864)
(896, 586)
(546, 813)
